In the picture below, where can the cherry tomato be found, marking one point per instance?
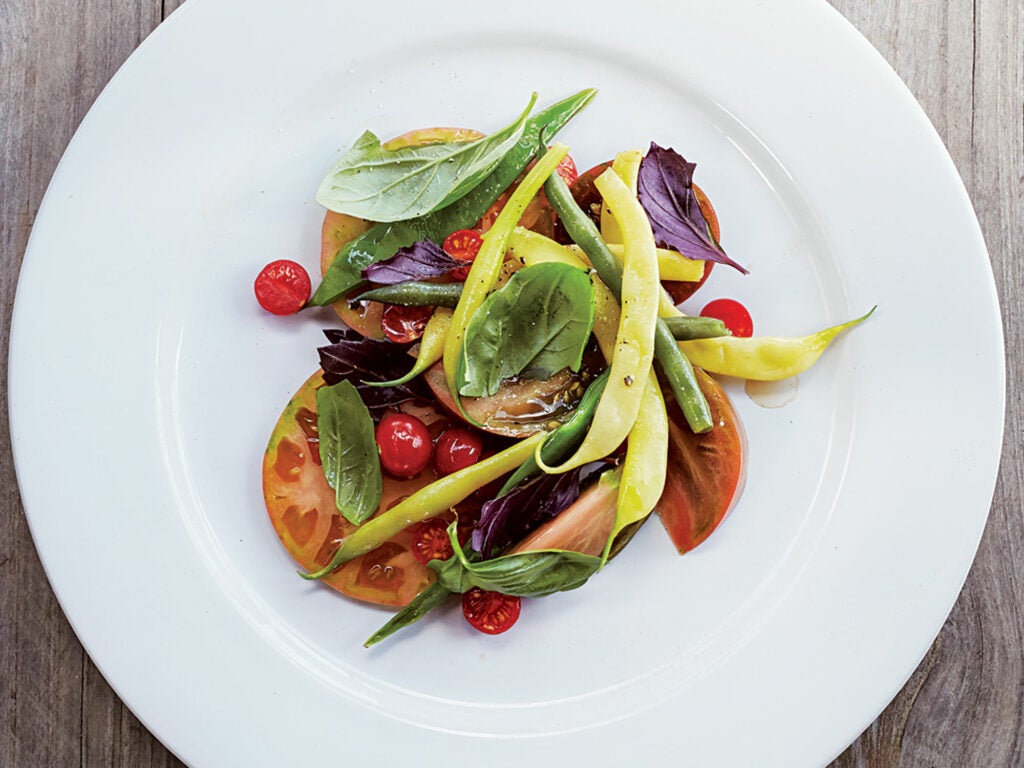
(456, 449)
(282, 287)
(464, 245)
(430, 541)
(490, 612)
(404, 324)
(404, 444)
(733, 314)
(567, 170)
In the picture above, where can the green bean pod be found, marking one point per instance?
(674, 364)
(414, 293)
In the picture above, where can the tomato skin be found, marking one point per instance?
(430, 541)
(706, 471)
(456, 449)
(733, 314)
(404, 445)
(567, 170)
(282, 287)
(464, 245)
(403, 325)
(490, 612)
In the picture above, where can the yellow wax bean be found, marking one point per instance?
(487, 264)
(762, 358)
(634, 342)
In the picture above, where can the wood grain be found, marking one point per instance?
(962, 60)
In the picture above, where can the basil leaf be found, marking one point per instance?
(527, 574)
(422, 260)
(379, 184)
(382, 240)
(665, 190)
(535, 325)
(348, 451)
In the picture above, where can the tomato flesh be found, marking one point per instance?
(733, 314)
(301, 508)
(430, 541)
(403, 325)
(490, 612)
(282, 287)
(464, 245)
(706, 471)
(404, 444)
(456, 449)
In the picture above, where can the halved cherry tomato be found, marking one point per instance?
(302, 509)
(464, 245)
(456, 449)
(733, 314)
(490, 612)
(404, 324)
(567, 170)
(404, 445)
(282, 287)
(706, 471)
(430, 541)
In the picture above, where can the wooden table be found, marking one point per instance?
(963, 60)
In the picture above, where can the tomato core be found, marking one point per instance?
(404, 445)
(733, 314)
(464, 245)
(403, 325)
(456, 449)
(282, 287)
(430, 541)
(490, 612)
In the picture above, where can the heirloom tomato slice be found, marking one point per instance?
(301, 507)
(705, 471)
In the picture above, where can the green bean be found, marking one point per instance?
(689, 328)
(421, 605)
(414, 293)
(674, 364)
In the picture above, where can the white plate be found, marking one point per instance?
(144, 382)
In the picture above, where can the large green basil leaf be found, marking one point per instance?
(382, 240)
(527, 574)
(380, 184)
(535, 325)
(348, 451)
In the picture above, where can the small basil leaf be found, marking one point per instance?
(420, 261)
(392, 185)
(511, 517)
(527, 574)
(535, 325)
(348, 451)
(665, 190)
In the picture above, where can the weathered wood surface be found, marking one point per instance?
(964, 707)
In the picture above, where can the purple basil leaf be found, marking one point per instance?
(350, 356)
(665, 190)
(509, 518)
(419, 261)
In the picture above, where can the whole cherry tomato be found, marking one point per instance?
(282, 287)
(490, 612)
(404, 444)
(456, 449)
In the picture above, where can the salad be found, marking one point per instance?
(514, 391)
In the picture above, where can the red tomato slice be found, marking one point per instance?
(301, 507)
(490, 612)
(706, 471)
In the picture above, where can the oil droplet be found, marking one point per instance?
(773, 394)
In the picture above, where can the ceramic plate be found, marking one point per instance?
(145, 380)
